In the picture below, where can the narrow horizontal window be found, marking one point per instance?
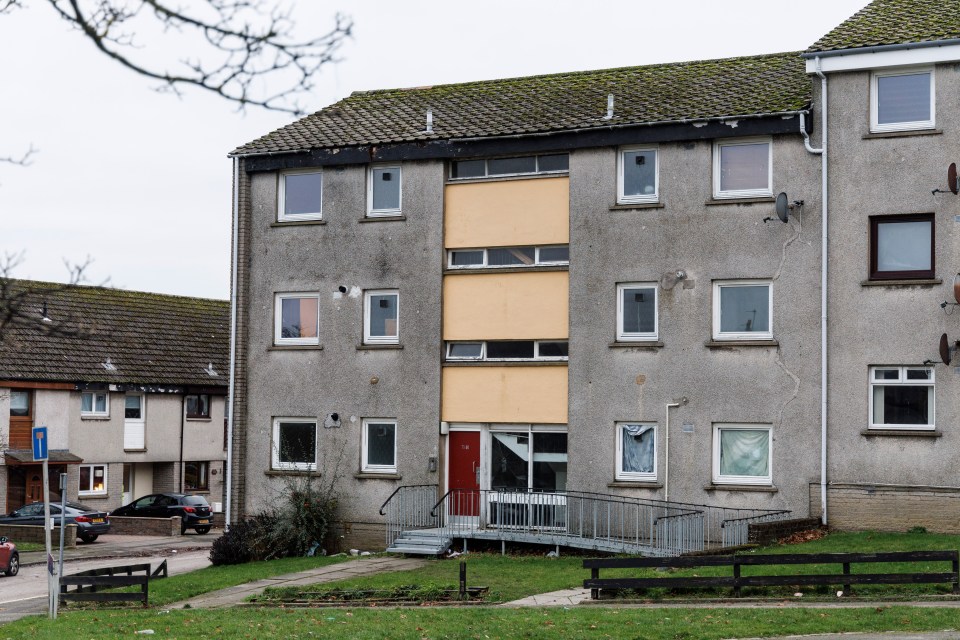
(508, 257)
(502, 350)
(513, 166)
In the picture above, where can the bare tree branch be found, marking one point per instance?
(6, 6)
(23, 161)
(247, 45)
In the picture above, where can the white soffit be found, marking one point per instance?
(854, 61)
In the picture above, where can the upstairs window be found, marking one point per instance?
(902, 100)
(638, 176)
(518, 166)
(742, 169)
(94, 404)
(902, 398)
(901, 247)
(198, 405)
(508, 257)
(296, 319)
(133, 407)
(381, 317)
(495, 350)
(19, 404)
(742, 310)
(300, 196)
(637, 312)
(384, 191)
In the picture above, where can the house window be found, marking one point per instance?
(742, 169)
(528, 458)
(297, 319)
(19, 404)
(198, 405)
(522, 165)
(901, 247)
(383, 191)
(295, 444)
(134, 425)
(638, 177)
(902, 398)
(637, 312)
(300, 196)
(94, 404)
(381, 324)
(742, 310)
(196, 476)
(133, 407)
(902, 100)
(508, 257)
(636, 451)
(93, 479)
(742, 454)
(379, 446)
(494, 350)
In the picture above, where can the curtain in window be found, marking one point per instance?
(744, 452)
(637, 447)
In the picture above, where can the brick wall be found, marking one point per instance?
(145, 526)
(34, 533)
(242, 259)
(365, 536)
(770, 532)
(165, 477)
(853, 507)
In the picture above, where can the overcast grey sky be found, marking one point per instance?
(139, 181)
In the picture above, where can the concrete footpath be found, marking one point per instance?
(118, 546)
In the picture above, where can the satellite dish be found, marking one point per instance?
(783, 207)
(952, 183)
(945, 349)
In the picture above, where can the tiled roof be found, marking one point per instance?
(885, 22)
(121, 337)
(706, 89)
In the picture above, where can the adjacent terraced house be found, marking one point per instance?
(131, 387)
(591, 308)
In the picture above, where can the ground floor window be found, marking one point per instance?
(196, 476)
(295, 444)
(742, 453)
(636, 451)
(379, 445)
(528, 459)
(93, 479)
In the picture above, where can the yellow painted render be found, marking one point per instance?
(507, 213)
(506, 306)
(505, 394)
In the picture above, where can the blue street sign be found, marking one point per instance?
(39, 444)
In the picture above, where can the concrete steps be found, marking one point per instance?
(420, 543)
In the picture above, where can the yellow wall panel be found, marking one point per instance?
(507, 213)
(506, 306)
(505, 394)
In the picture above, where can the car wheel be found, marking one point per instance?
(203, 530)
(14, 567)
(89, 537)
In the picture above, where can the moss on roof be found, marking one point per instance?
(886, 22)
(699, 90)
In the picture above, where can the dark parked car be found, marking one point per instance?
(194, 511)
(90, 522)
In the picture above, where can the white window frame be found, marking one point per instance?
(275, 462)
(741, 335)
(365, 465)
(537, 262)
(369, 339)
(903, 382)
(635, 476)
(93, 413)
(758, 480)
(488, 176)
(651, 336)
(640, 198)
(742, 193)
(483, 352)
(875, 126)
(378, 213)
(281, 197)
(90, 491)
(278, 338)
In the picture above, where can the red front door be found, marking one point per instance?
(465, 473)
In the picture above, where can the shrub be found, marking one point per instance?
(246, 540)
(302, 520)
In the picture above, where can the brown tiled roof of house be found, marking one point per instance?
(700, 90)
(104, 335)
(890, 22)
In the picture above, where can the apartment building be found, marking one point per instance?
(609, 282)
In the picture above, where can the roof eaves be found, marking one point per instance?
(900, 46)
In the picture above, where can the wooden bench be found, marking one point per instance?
(737, 581)
(87, 583)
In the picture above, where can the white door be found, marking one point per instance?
(134, 423)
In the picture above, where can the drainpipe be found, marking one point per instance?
(233, 341)
(666, 454)
(183, 422)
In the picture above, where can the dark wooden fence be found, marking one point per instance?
(737, 581)
(88, 582)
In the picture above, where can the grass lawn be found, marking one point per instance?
(23, 547)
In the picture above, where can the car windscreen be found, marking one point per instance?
(194, 500)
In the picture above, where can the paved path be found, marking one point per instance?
(114, 545)
(330, 573)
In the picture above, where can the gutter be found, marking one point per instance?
(233, 343)
(880, 49)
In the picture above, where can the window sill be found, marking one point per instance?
(638, 205)
(919, 282)
(761, 488)
(902, 134)
(545, 267)
(377, 476)
(89, 496)
(134, 450)
(379, 347)
(291, 472)
(902, 433)
(295, 347)
(724, 344)
(296, 223)
(634, 484)
(508, 363)
(196, 491)
(639, 344)
(95, 418)
(390, 218)
(719, 201)
(199, 419)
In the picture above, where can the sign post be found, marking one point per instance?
(41, 454)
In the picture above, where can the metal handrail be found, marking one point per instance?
(397, 490)
(766, 513)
